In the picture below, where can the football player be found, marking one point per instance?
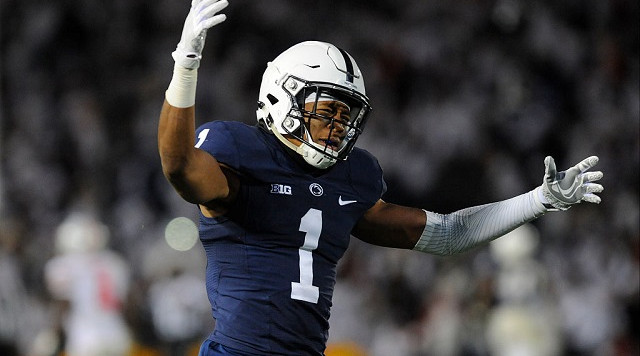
(91, 282)
(279, 201)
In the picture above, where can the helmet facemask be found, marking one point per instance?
(326, 119)
(331, 119)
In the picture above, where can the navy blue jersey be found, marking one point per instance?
(271, 260)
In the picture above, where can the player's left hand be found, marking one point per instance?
(202, 16)
(566, 188)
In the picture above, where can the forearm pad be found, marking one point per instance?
(449, 234)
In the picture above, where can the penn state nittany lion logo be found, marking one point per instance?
(316, 189)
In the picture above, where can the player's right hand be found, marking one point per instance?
(202, 16)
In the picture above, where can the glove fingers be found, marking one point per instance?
(591, 198)
(592, 188)
(589, 189)
(550, 168)
(213, 21)
(593, 176)
(208, 8)
(206, 11)
(586, 163)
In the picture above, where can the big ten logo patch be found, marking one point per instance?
(280, 189)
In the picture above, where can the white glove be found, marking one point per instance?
(563, 189)
(202, 16)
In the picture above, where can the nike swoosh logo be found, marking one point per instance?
(565, 193)
(345, 202)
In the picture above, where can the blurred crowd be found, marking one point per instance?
(468, 97)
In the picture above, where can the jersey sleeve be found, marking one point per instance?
(379, 178)
(217, 139)
(366, 175)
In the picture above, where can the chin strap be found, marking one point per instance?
(315, 157)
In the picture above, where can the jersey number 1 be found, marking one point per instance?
(311, 224)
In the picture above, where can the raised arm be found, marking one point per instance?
(446, 234)
(195, 174)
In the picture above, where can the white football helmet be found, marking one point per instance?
(81, 232)
(312, 70)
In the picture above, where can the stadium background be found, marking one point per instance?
(468, 97)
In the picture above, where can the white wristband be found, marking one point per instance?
(181, 92)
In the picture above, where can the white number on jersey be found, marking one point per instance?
(201, 137)
(311, 224)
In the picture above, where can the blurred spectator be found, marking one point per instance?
(525, 320)
(92, 282)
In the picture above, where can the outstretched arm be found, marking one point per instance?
(195, 174)
(446, 234)
(390, 225)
